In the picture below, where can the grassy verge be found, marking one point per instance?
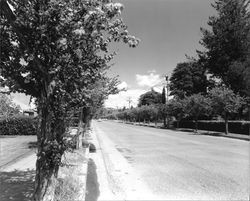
(71, 178)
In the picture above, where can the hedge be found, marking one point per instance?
(18, 125)
(238, 127)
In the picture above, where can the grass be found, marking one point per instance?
(69, 184)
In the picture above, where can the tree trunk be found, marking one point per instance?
(178, 123)
(196, 125)
(164, 120)
(226, 124)
(249, 118)
(47, 163)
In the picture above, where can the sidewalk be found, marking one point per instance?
(116, 179)
(17, 179)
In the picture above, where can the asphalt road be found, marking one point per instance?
(181, 165)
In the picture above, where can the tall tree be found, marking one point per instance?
(53, 51)
(149, 98)
(163, 96)
(225, 103)
(188, 78)
(227, 41)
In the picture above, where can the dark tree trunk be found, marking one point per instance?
(196, 125)
(164, 120)
(178, 123)
(226, 124)
(47, 164)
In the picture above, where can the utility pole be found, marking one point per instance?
(129, 102)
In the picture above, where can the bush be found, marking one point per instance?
(238, 127)
(18, 125)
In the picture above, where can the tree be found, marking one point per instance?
(149, 98)
(227, 41)
(196, 106)
(225, 103)
(188, 78)
(7, 107)
(54, 51)
(177, 108)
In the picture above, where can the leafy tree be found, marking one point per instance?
(7, 107)
(149, 98)
(177, 107)
(54, 51)
(225, 103)
(227, 41)
(196, 106)
(163, 96)
(188, 78)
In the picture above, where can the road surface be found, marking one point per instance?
(182, 166)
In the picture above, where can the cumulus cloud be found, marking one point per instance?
(120, 100)
(122, 86)
(148, 80)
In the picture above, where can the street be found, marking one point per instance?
(178, 165)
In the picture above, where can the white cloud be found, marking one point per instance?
(149, 80)
(120, 100)
(122, 86)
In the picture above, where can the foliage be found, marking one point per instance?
(238, 127)
(225, 103)
(197, 105)
(54, 51)
(7, 107)
(188, 78)
(177, 108)
(18, 125)
(163, 96)
(227, 42)
(149, 98)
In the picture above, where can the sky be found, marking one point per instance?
(168, 30)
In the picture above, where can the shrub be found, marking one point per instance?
(18, 125)
(238, 127)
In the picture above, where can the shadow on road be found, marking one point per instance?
(92, 186)
(17, 185)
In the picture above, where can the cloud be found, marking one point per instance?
(122, 86)
(149, 80)
(121, 99)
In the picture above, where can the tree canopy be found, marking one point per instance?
(55, 51)
(227, 41)
(188, 78)
(149, 98)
